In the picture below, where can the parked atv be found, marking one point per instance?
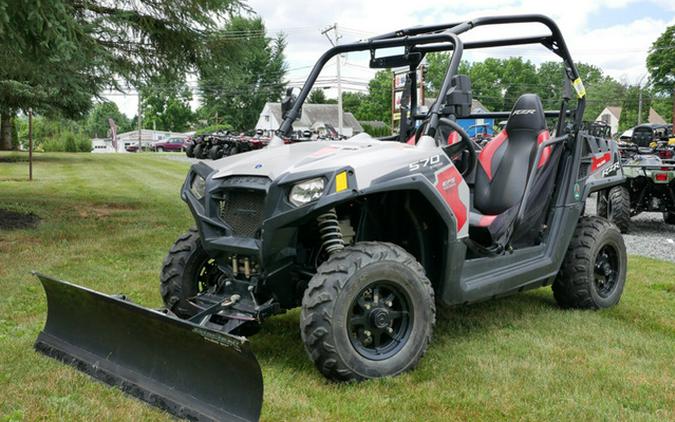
(649, 185)
(365, 235)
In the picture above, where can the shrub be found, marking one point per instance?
(67, 142)
(52, 145)
(376, 131)
(84, 144)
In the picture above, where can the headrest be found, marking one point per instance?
(527, 114)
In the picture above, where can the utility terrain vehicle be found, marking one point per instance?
(649, 185)
(366, 235)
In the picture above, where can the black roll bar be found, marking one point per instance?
(444, 37)
(406, 41)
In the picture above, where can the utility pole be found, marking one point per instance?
(139, 122)
(334, 28)
(639, 119)
(639, 105)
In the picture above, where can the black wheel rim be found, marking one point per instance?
(606, 271)
(380, 320)
(207, 276)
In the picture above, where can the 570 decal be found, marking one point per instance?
(432, 161)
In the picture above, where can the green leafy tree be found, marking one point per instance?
(317, 96)
(241, 73)
(166, 105)
(661, 66)
(63, 53)
(377, 104)
(351, 101)
(97, 124)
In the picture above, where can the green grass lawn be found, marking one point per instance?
(107, 221)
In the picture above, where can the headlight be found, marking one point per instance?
(198, 186)
(306, 192)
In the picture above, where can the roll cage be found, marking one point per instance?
(418, 41)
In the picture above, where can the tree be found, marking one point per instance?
(166, 105)
(63, 53)
(97, 123)
(377, 104)
(661, 65)
(317, 96)
(241, 73)
(351, 101)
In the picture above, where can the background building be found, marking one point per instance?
(318, 118)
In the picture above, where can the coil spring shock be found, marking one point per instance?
(329, 230)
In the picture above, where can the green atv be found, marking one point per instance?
(649, 185)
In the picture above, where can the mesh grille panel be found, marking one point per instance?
(242, 210)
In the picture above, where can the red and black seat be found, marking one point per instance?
(503, 170)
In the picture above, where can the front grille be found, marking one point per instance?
(242, 210)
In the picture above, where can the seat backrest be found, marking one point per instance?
(507, 160)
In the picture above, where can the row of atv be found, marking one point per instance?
(222, 144)
(649, 184)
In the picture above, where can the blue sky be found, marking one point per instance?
(614, 35)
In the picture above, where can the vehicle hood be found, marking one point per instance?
(368, 157)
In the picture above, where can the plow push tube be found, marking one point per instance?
(188, 370)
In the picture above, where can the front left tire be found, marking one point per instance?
(186, 271)
(368, 312)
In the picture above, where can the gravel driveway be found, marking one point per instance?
(649, 235)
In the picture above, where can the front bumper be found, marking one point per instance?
(274, 245)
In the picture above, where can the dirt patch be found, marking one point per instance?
(104, 210)
(12, 220)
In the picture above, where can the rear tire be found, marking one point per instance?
(189, 150)
(618, 207)
(669, 217)
(368, 312)
(593, 273)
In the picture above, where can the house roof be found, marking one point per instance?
(476, 106)
(615, 110)
(655, 117)
(318, 113)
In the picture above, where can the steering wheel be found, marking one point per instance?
(465, 143)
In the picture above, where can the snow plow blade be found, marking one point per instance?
(188, 370)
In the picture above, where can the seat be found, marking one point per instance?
(504, 166)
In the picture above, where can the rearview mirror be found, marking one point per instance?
(459, 97)
(394, 60)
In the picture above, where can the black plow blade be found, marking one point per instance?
(188, 370)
